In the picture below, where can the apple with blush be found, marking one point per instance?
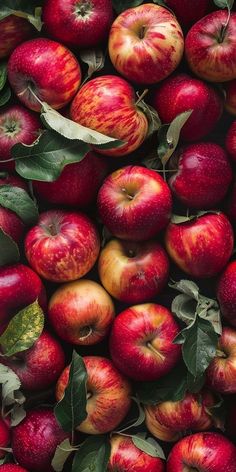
(221, 373)
(230, 100)
(187, 13)
(12, 468)
(13, 31)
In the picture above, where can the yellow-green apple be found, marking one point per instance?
(125, 456)
(210, 46)
(133, 272)
(81, 312)
(108, 395)
(202, 175)
(201, 247)
(77, 185)
(5, 435)
(36, 438)
(146, 43)
(107, 104)
(226, 293)
(40, 366)
(10, 223)
(13, 31)
(221, 373)
(134, 203)
(230, 143)
(46, 68)
(63, 246)
(188, 13)
(141, 342)
(181, 93)
(80, 23)
(12, 468)
(202, 452)
(230, 100)
(169, 420)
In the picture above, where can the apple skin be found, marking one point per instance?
(83, 23)
(203, 177)
(125, 456)
(134, 203)
(221, 373)
(12, 468)
(63, 246)
(208, 56)
(109, 395)
(169, 420)
(202, 452)
(201, 247)
(35, 439)
(81, 312)
(230, 143)
(141, 342)
(186, 14)
(107, 104)
(182, 93)
(230, 101)
(77, 185)
(4, 435)
(13, 31)
(133, 272)
(49, 68)
(226, 293)
(146, 43)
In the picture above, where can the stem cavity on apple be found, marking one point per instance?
(83, 9)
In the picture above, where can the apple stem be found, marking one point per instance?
(87, 330)
(224, 28)
(141, 96)
(220, 353)
(34, 95)
(150, 346)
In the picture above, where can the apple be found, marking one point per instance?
(201, 247)
(125, 456)
(203, 175)
(202, 452)
(79, 23)
(44, 68)
(230, 143)
(35, 439)
(12, 468)
(134, 203)
(13, 31)
(146, 43)
(141, 342)
(230, 101)
(133, 272)
(107, 104)
(4, 435)
(181, 93)
(226, 293)
(77, 185)
(108, 395)
(210, 48)
(63, 246)
(187, 13)
(81, 312)
(221, 373)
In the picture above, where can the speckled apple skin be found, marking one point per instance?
(4, 435)
(125, 456)
(107, 104)
(230, 102)
(231, 141)
(210, 452)
(206, 56)
(203, 177)
(201, 247)
(226, 293)
(13, 31)
(12, 468)
(51, 68)
(110, 395)
(186, 13)
(182, 93)
(153, 56)
(132, 332)
(221, 373)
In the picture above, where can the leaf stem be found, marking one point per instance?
(140, 98)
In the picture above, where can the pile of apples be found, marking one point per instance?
(108, 206)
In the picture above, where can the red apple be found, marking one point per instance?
(35, 439)
(231, 141)
(226, 293)
(63, 246)
(183, 93)
(47, 68)
(108, 395)
(125, 456)
(188, 13)
(134, 203)
(107, 104)
(80, 23)
(81, 312)
(202, 452)
(12, 468)
(146, 43)
(230, 101)
(221, 373)
(210, 48)
(203, 175)
(4, 435)
(141, 342)
(133, 272)
(13, 31)
(201, 247)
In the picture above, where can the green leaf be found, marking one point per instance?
(5, 96)
(154, 122)
(23, 330)
(122, 5)
(19, 201)
(9, 252)
(18, 413)
(170, 139)
(162, 3)
(93, 455)
(134, 423)
(195, 384)
(218, 411)
(224, 3)
(70, 411)
(63, 451)
(31, 11)
(3, 74)
(187, 287)
(10, 385)
(148, 445)
(46, 158)
(94, 58)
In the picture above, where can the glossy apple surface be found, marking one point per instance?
(12, 468)
(146, 43)
(141, 342)
(231, 141)
(107, 104)
(187, 13)
(48, 68)
(230, 101)
(134, 203)
(63, 246)
(108, 395)
(5, 435)
(13, 31)
(221, 373)
(226, 293)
